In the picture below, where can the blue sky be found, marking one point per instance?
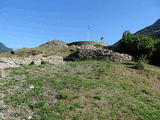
(29, 23)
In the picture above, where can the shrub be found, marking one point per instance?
(136, 45)
(141, 64)
(139, 45)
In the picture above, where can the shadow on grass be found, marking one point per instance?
(130, 65)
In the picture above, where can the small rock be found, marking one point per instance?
(31, 87)
(30, 117)
(1, 115)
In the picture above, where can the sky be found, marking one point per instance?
(30, 23)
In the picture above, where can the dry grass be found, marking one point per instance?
(47, 51)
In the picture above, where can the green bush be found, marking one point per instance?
(136, 45)
(141, 64)
(139, 45)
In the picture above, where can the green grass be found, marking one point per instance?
(99, 45)
(81, 90)
(63, 96)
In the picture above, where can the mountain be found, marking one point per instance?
(153, 30)
(3, 48)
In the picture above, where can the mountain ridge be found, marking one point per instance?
(152, 30)
(3, 48)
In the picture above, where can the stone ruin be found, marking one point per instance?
(84, 52)
(90, 52)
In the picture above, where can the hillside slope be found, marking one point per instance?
(40, 86)
(84, 90)
(153, 30)
(56, 51)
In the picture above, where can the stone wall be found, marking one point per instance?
(89, 52)
(84, 52)
(37, 59)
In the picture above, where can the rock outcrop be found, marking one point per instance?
(84, 52)
(55, 43)
(37, 60)
(89, 52)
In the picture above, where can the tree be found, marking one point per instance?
(126, 35)
(102, 38)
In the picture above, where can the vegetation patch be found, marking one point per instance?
(139, 45)
(106, 90)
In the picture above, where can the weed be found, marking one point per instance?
(97, 97)
(47, 113)
(39, 104)
(63, 96)
(60, 107)
(76, 105)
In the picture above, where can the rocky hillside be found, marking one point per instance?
(80, 90)
(153, 30)
(3, 48)
(58, 81)
(57, 51)
(89, 52)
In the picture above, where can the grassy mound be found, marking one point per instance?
(80, 43)
(85, 90)
(47, 51)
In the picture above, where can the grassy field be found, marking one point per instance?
(84, 90)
